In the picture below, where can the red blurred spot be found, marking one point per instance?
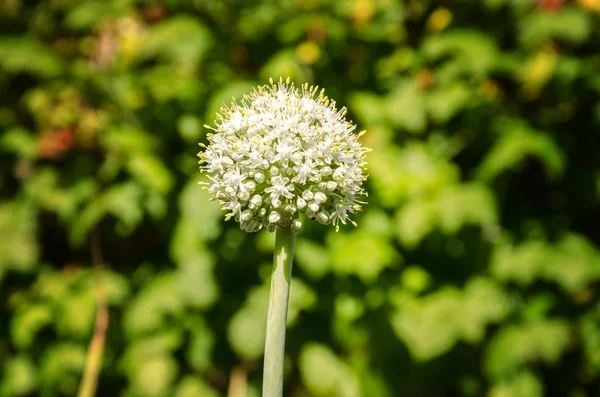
(154, 13)
(550, 5)
(53, 144)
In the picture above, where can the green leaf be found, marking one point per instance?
(180, 39)
(415, 279)
(430, 326)
(171, 82)
(470, 53)
(415, 221)
(446, 101)
(151, 172)
(589, 327)
(399, 173)
(205, 216)
(405, 106)
(361, 254)
(399, 61)
(369, 108)
(302, 298)
(19, 141)
(516, 142)
(89, 14)
(472, 204)
(449, 210)
(246, 329)
(312, 258)
(128, 140)
(523, 384)
(159, 344)
(191, 386)
(197, 284)
(155, 376)
(324, 374)
(61, 367)
(153, 305)
(120, 200)
(76, 314)
(149, 364)
(573, 263)
(190, 128)
(45, 189)
(200, 347)
(19, 249)
(516, 345)
(570, 24)
(23, 54)
(19, 377)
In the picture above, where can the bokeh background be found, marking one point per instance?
(475, 267)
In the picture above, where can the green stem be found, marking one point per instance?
(281, 277)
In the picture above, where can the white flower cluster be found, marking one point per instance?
(283, 152)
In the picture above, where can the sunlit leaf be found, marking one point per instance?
(178, 39)
(516, 345)
(433, 324)
(516, 142)
(22, 54)
(19, 377)
(19, 249)
(325, 374)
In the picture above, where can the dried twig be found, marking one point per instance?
(238, 383)
(93, 361)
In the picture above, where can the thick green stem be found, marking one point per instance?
(281, 277)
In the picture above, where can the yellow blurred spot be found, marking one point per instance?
(590, 5)
(539, 69)
(308, 52)
(363, 11)
(439, 19)
(131, 33)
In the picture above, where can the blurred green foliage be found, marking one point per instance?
(475, 269)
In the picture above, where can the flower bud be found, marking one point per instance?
(307, 195)
(320, 198)
(323, 217)
(301, 203)
(276, 203)
(325, 171)
(246, 215)
(274, 217)
(296, 225)
(243, 195)
(256, 200)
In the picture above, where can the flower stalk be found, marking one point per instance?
(281, 153)
(281, 278)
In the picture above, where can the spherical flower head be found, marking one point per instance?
(282, 152)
